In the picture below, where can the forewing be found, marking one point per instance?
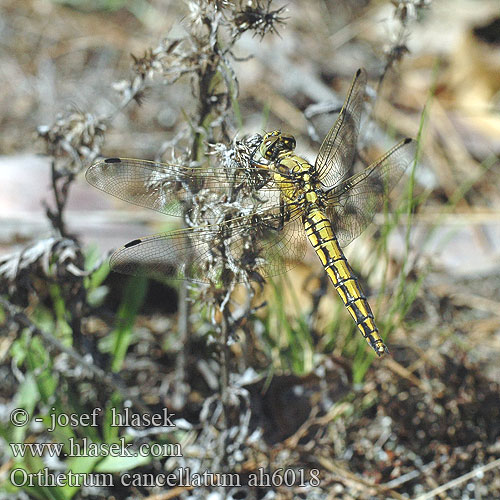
(354, 202)
(210, 253)
(337, 152)
(166, 187)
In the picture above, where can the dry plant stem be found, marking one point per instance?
(225, 371)
(317, 295)
(60, 191)
(76, 305)
(184, 307)
(406, 12)
(181, 388)
(77, 296)
(206, 101)
(395, 55)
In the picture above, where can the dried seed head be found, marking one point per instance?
(75, 138)
(57, 259)
(257, 17)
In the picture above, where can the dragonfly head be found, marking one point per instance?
(275, 143)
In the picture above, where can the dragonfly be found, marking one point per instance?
(291, 201)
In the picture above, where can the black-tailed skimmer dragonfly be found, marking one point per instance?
(291, 198)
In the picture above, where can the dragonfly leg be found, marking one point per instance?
(279, 223)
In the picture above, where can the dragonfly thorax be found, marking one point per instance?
(298, 180)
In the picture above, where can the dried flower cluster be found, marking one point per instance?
(257, 17)
(49, 260)
(74, 139)
(406, 13)
(407, 10)
(203, 54)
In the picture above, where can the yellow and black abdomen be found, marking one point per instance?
(320, 233)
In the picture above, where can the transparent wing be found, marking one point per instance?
(354, 202)
(166, 187)
(337, 152)
(214, 253)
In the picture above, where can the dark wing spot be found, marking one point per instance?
(112, 160)
(407, 140)
(132, 243)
